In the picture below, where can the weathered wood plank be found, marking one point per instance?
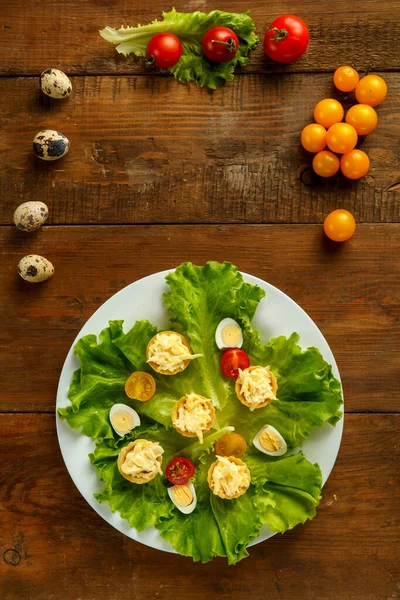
(65, 550)
(36, 36)
(350, 290)
(149, 150)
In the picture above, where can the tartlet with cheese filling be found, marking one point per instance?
(256, 387)
(193, 415)
(169, 353)
(140, 461)
(228, 477)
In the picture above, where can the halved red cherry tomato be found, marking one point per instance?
(164, 50)
(232, 360)
(220, 44)
(179, 470)
(286, 39)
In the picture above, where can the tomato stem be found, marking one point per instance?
(229, 44)
(280, 35)
(150, 61)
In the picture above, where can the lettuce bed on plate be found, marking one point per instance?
(190, 29)
(284, 491)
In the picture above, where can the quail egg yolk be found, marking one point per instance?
(182, 495)
(231, 336)
(122, 421)
(270, 441)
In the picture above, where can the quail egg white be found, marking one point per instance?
(29, 216)
(123, 419)
(50, 145)
(269, 441)
(184, 497)
(228, 334)
(35, 268)
(55, 83)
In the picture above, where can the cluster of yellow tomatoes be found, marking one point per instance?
(340, 137)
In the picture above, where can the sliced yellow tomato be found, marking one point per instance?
(140, 386)
(231, 444)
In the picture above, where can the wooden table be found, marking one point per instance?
(158, 173)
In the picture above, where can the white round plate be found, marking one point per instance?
(277, 314)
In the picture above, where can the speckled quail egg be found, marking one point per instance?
(55, 83)
(29, 216)
(269, 441)
(35, 268)
(50, 145)
(184, 497)
(123, 419)
(228, 334)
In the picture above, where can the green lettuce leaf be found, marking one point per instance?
(190, 28)
(288, 490)
(199, 298)
(285, 490)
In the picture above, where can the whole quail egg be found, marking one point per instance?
(55, 83)
(184, 497)
(269, 441)
(228, 334)
(35, 268)
(50, 145)
(29, 216)
(123, 419)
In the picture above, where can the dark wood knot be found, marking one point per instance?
(12, 557)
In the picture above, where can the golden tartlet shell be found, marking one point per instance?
(174, 416)
(222, 495)
(266, 402)
(121, 460)
(154, 365)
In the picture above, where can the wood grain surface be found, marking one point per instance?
(351, 291)
(151, 150)
(56, 547)
(159, 173)
(36, 35)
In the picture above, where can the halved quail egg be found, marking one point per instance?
(184, 497)
(269, 441)
(123, 419)
(228, 334)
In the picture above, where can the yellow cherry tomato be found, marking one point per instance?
(325, 164)
(371, 90)
(339, 225)
(354, 164)
(231, 444)
(363, 118)
(313, 137)
(328, 112)
(140, 386)
(346, 79)
(341, 138)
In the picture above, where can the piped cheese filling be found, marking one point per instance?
(255, 386)
(142, 460)
(229, 477)
(194, 416)
(169, 352)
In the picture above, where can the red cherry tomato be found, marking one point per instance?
(286, 39)
(179, 470)
(232, 360)
(220, 44)
(164, 50)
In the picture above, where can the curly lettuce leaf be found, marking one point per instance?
(190, 29)
(285, 490)
(308, 393)
(199, 298)
(288, 490)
